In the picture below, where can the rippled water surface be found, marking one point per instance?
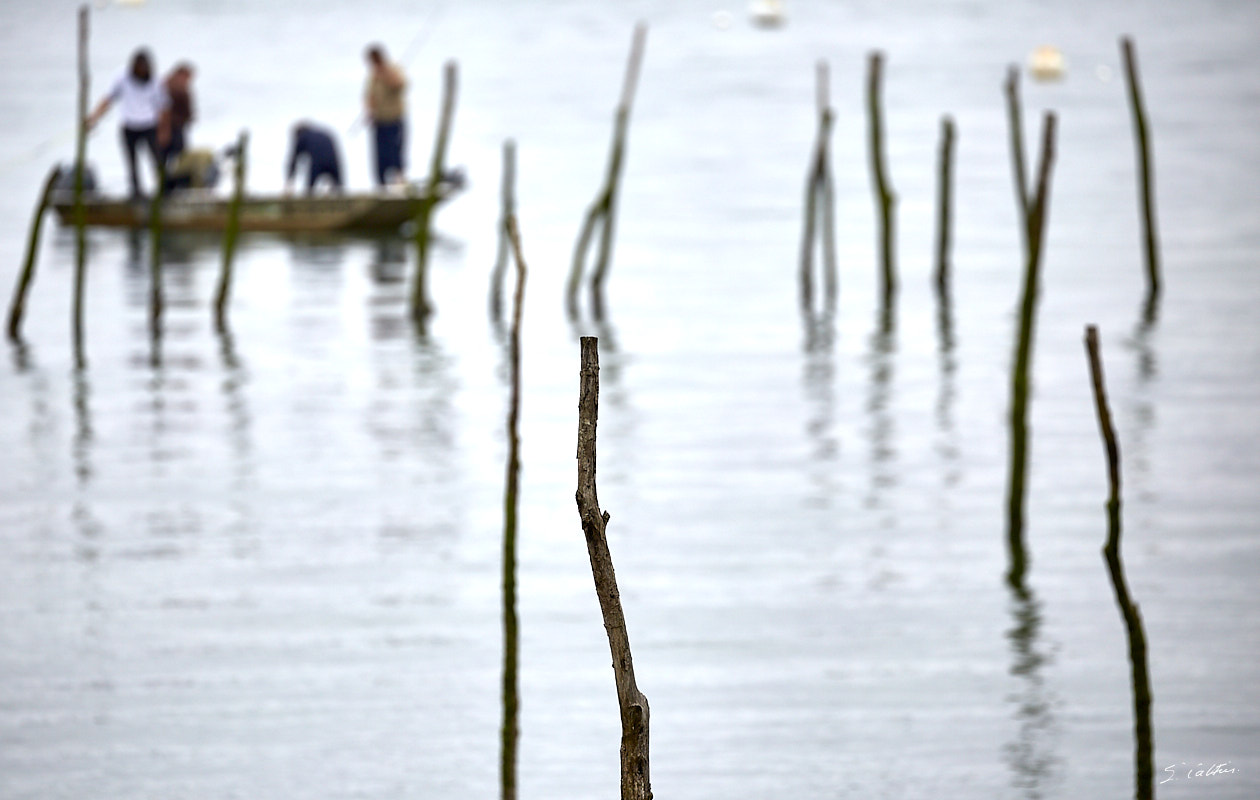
(268, 564)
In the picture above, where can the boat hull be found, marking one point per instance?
(195, 210)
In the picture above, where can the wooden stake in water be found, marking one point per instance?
(420, 305)
(1016, 124)
(604, 208)
(80, 213)
(635, 778)
(509, 212)
(884, 197)
(510, 732)
(1021, 372)
(1129, 613)
(17, 307)
(819, 204)
(944, 219)
(230, 233)
(1146, 178)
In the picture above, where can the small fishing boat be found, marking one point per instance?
(206, 210)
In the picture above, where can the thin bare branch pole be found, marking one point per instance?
(944, 207)
(420, 305)
(508, 199)
(635, 777)
(17, 307)
(819, 204)
(1020, 373)
(80, 212)
(603, 210)
(1129, 612)
(885, 200)
(510, 731)
(230, 233)
(1146, 179)
(1015, 116)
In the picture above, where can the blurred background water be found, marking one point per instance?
(269, 564)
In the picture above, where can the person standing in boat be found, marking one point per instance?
(319, 148)
(385, 104)
(177, 115)
(140, 100)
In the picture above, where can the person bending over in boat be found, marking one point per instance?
(318, 147)
(141, 100)
(177, 115)
(386, 109)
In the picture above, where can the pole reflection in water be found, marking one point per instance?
(818, 381)
(947, 447)
(1030, 755)
(882, 427)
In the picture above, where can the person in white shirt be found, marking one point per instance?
(141, 100)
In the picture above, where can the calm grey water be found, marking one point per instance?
(269, 565)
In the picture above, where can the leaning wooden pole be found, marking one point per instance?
(230, 233)
(1130, 614)
(17, 307)
(420, 305)
(510, 731)
(944, 206)
(603, 210)
(885, 200)
(1014, 115)
(635, 778)
(1146, 178)
(80, 213)
(1022, 369)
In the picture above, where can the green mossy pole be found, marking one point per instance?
(1130, 614)
(604, 208)
(17, 307)
(635, 773)
(421, 308)
(80, 213)
(1021, 372)
(885, 200)
(944, 207)
(819, 204)
(507, 195)
(1145, 174)
(510, 732)
(230, 233)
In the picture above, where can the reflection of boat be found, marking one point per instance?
(203, 210)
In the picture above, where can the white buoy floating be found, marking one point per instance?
(1046, 63)
(766, 13)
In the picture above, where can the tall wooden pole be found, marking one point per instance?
(80, 213)
(230, 233)
(635, 778)
(420, 305)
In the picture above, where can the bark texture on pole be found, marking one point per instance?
(635, 778)
(1140, 675)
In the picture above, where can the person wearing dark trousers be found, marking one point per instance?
(318, 147)
(141, 101)
(384, 98)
